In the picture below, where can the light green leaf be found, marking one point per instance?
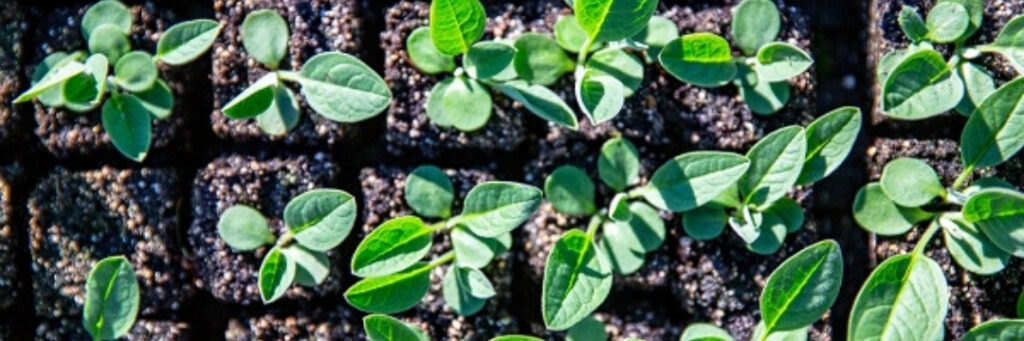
(320, 219)
(109, 41)
(992, 134)
(905, 298)
(392, 247)
(619, 64)
(947, 22)
(254, 100)
(910, 182)
(456, 24)
(755, 23)
(771, 232)
(84, 92)
(775, 164)
(829, 140)
(129, 126)
(976, 13)
(496, 207)
(539, 59)
(590, 329)
(1010, 43)
(660, 31)
(186, 41)
(921, 86)
(282, 115)
(626, 243)
(424, 55)
(624, 259)
(570, 36)
(392, 293)
(107, 12)
(979, 85)
(429, 192)
(386, 328)
(474, 251)
(435, 103)
(802, 288)
(541, 102)
(763, 98)
(490, 60)
(111, 299)
(135, 71)
(998, 330)
(457, 291)
(703, 59)
(312, 267)
(611, 20)
(577, 279)
(265, 37)
(780, 335)
(55, 76)
(466, 104)
(276, 274)
(618, 209)
(705, 222)
(570, 191)
(789, 211)
(875, 212)
(999, 213)
(600, 97)
(777, 62)
(912, 24)
(330, 76)
(694, 179)
(53, 96)
(971, 248)
(515, 338)
(619, 164)
(244, 228)
(705, 332)
(158, 100)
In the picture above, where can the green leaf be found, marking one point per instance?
(703, 59)
(158, 100)
(332, 75)
(802, 288)
(905, 298)
(569, 35)
(577, 279)
(496, 207)
(282, 115)
(705, 222)
(392, 293)
(705, 332)
(429, 192)
(780, 335)
(619, 164)
(755, 23)
(618, 209)
(109, 41)
(276, 274)
(465, 104)
(976, 13)
(660, 31)
(107, 12)
(392, 247)
(320, 219)
(999, 213)
(626, 243)
(474, 251)
(777, 62)
(54, 77)
(186, 41)
(435, 103)
(135, 71)
(386, 328)
(111, 299)
(775, 164)
(947, 22)
(1020, 304)
(992, 134)
(254, 100)
(694, 179)
(998, 330)
(763, 98)
(875, 212)
(129, 126)
(424, 55)
(921, 86)
(466, 290)
(265, 37)
(589, 329)
(619, 64)
(515, 338)
(84, 92)
(313, 267)
(243, 228)
(979, 85)
(611, 20)
(52, 96)
(600, 97)
(541, 102)
(911, 182)
(790, 212)
(624, 259)
(912, 24)
(489, 60)
(771, 232)
(971, 248)
(456, 24)
(570, 191)
(1010, 43)
(539, 59)
(829, 140)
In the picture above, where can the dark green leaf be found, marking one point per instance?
(755, 23)
(703, 59)
(577, 279)
(265, 37)
(48, 87)
(276, 274)
(539, 59)
(999, 213)
(186, 41)
(570, 35)
(429, 192)
(494, 208)
(84, 92)
(775, 164)
(802, 288)
(570, 191)
(158, 100)
(456, 24)
(789, 211)
(515, 338)
(386, 328)
(541, 102)
(619, 164)
(490, 60)
(829, 140)
(611, 20)
(771, 233)
(320, 219)
(912, 24)
(905, 298)
(243, 228)
(330, 76)
(392, 293)
(458, 295)
(424, 55)
(626, 243)
(799, 334)
(107, 12)
(111, 299)
(53, 96)
(590, 329)
(660, 31)
(705, 222)
(992, 134)
(921, 86)
(976, 13)
(129, 126)
(618, 209)
(254, 100)
(694, 179)
(392, 247)
(910, 182)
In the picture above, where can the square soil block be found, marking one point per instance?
(306, 323)
(974, 298)
(142, 330)
(79, 218)
(80, 136)
(266, 183)
(884, 35)
(383, 189)
(9, 248)
(315, 26)
(12, 28)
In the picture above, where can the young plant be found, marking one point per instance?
(317, 220)
(917, 82)
(337, 85)
(389, 258)
(795, 296)
(380, 327)
(519, 69)
(996, 330)
(111, 299)
(133, 94)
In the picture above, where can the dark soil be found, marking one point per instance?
(143, 330)
(79, 218)
(12, 29)
(338, 323)
(9, 280)
(316, 26)
(266, 183)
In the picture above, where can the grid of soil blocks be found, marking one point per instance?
(267, 183)
(12, 28)
(315, 26)
(80, 136)
(974, 298)
(79, 218)
(143, 330)
(338, 323)
(8, 249)
(383, 189)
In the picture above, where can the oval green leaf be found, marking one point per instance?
(775, 164)
(386, 328)
(282, 115)
(539, 59)
(979, 85)
(490, 60)
(158, 99)
(947, 22)
(999, 213)
(971, 248)
(589, 329)
(875, 212)
(540, 101)
(920, 86)
(424, 55)
(694, 179)
(496, 207)
(570, 191)
(466, 290)
(392, 293)
(705, 332)
(107, 12)
(321, 218)
(265, 37)
(703, 59)
(912, 24)
(475, 251)
(111, 299)
(128, 123)
(755, 23)
(576, 281)
(992, 134)
(777, 62)
(186, 41)
(999, 330)
(705, 222)
(829, 140)
(905, 298)
(135, 71)
(910, 182)
(109, 41)
(243, 228)
(611, 20)
(619, 64)
(84, 92)
(312, 267)
(456, 24)
(619, 164)
(330, 76)
(254, 100)
(763, 98)
(429, 192)
(466, 104)
(802, 288)
(569, 34)
(276, 274)
(392, 247)
(600, 97)
(789, 211)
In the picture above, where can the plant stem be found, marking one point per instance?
(290, 76)
(926, 237)
(959, 182)
(595, 222)
(581, 59)
(445, 258)
(285, 239)
(439, 226)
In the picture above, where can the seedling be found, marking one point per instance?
(81, 81)
(386, 328)
(795, 296)
(519, 69)
(317, 221)
(111, 299)
(389, 258)
(917, 82)
(337, 85)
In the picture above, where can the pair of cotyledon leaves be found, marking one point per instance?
(336, 85)
(317, 221)
(389, 258)
(80, 83)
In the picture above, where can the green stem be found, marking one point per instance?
(439, 226)
(959, 182)
(925, 238)
(286, 239)
(290, 76)
(595, 222)
(447, 257)
(581, 59)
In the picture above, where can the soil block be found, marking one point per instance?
(884, 35)
(142, 330)
(383, 189)
(70, 135)
(266, 183)
(79, 218)
(315, 26)
(974, 298)
(12, 28)
(633, 317)
(337, 323)
(9, 248)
